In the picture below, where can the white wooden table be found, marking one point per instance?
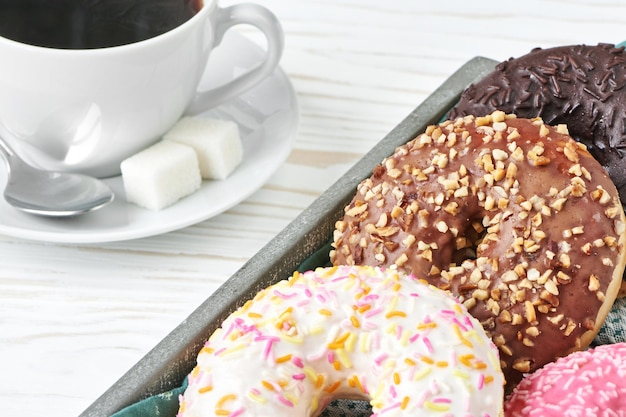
(74, 318)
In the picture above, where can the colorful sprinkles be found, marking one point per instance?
(586, 383)
(347, 332)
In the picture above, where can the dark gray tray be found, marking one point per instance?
(167, 364)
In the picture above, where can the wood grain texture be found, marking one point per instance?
(74, 318)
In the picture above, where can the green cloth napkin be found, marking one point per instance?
(161, 405)
(166, 405)
(614, 328)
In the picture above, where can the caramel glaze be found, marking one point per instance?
(578, 85)
(512, 216)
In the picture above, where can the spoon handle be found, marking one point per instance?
(5, 149)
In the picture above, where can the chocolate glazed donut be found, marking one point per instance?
(511, 216)
(580, 86)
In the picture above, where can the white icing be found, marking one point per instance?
(347, 332)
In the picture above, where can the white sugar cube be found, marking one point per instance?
(160, 175)
(216, 142)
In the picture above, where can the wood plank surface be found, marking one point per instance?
(74, 318)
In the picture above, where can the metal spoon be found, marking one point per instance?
(49, 193)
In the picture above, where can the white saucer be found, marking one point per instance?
(267, 116)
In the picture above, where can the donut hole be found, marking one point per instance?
(347, 407)
(468, 241)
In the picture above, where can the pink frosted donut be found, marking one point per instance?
(347, 332)
(586, 383)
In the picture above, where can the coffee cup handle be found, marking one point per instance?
(266, 22)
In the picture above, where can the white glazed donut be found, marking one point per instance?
(347, 332)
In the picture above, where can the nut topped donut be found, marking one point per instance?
(512, 216)
(581, 86)
(347, 332)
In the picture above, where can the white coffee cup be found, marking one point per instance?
(85, 110)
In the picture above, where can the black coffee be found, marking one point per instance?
(88, 24)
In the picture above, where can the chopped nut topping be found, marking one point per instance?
(402, 260)
(522, 365)
(532, 331)
(578, 187)
(441, 226)
(358, 209)
(563, 277)
(514, 258)
(396, 212)
(518, 154)
(551, 287)
(601, 195)
(499, 126)
(408, 241)
(610, 241)
(498, 116)
(612, 212)
(570, 152)
(556, 319)
(607, 262)
(558, 204)
(480, 295)
(505, 316)
(571, 326)
(499, 155)
(594, 283)
(529, 312)
(513, 134)
(565, 260)
(506, 350)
